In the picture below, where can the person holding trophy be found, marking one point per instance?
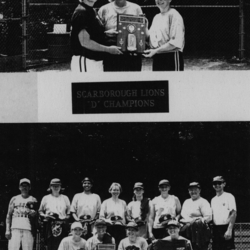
(87, 39)
(129, 60)
(166, 38)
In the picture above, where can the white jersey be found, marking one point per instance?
(52, 204)
(196, 208)
(108, 13)
(86, 204)
(111, 208)
(20, 216)
(68, 244)
(140, 242)
(163, 206)
(168, 27)
(221, 207)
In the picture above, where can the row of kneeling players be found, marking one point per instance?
(145, 220)
(94, 38)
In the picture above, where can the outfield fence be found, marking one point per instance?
(214, 28)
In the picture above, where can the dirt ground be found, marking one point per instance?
(190, 64)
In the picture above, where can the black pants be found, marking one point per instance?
(125, 62)
(219, 242)
(172, 61)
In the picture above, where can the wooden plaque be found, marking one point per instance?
(131, 33)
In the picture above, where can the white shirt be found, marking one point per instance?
(163, 206)
(67, 243)
(134, 207)
(59, 205)
(169, 28)
(140, 242)
(111, 208)
(86, 204)
(196, 208)
(221, 207)
(20, 216)
(94, 241)
(108, 13)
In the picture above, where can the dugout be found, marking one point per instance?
(127, 153)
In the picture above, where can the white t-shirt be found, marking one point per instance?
(94, 241)
(134, 208)
(196, 208)
(67, 243)
(59, 205)
(20, 215)
(108, 13)
(221, 207)
(86, 204)
(163, 206)
(167, 27)
(111, 208)
(140, 242)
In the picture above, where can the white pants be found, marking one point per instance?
(83, 64)
(21, 237)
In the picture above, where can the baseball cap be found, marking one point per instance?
(194, 184)
(164, 182)
(218, 178)
(138, 185)
(132, 224)
(24, 180)
(173, 223)
(164, 219)
(55, 181)
(100, 222)
(87, 179)
(76, 224)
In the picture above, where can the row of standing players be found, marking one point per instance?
(151, 217)
(93, 38)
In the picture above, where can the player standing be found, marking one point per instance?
(18, 221)
(224, 216)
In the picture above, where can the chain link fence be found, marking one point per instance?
(10, 35)
(247, 27)
(213, 28)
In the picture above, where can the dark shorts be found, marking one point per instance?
(219, 242)
(171, 61)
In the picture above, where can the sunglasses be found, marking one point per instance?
(217, 183)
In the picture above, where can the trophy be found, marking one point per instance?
(131, 33)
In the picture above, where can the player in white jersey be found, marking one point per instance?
(162, 206)
(86, 205)
(19, 218)
(224, 216)
(166, 37)
(74, 241)
(196, 213)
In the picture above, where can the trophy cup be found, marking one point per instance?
(131, 33)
